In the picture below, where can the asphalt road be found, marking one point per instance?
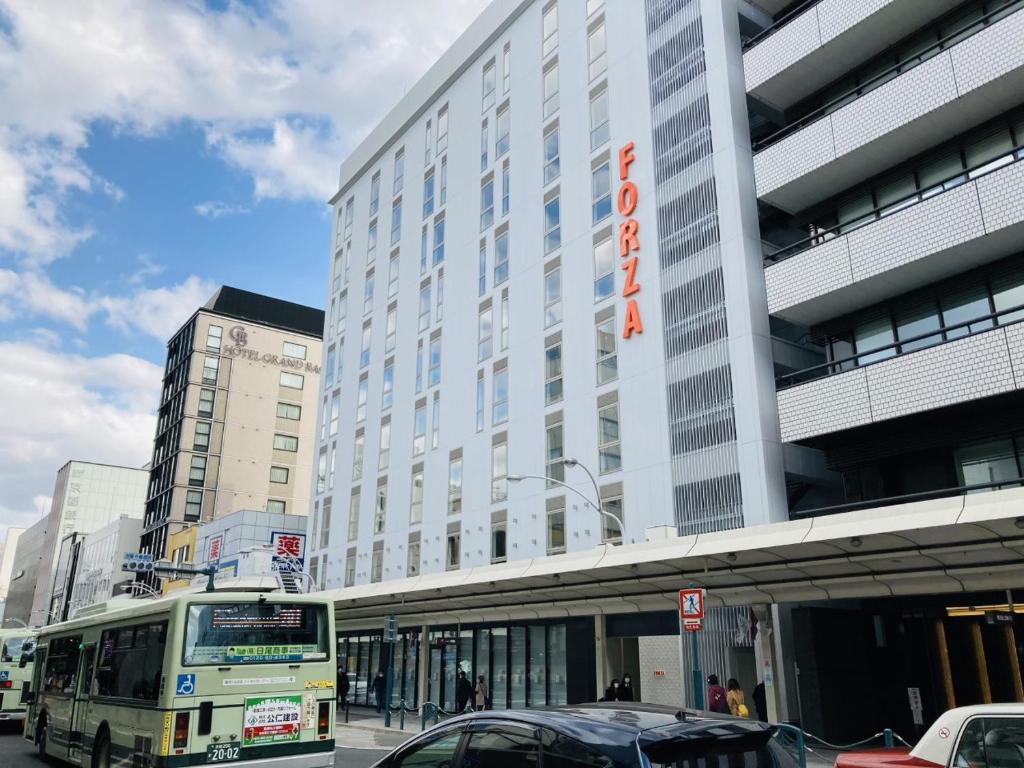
(15, 752)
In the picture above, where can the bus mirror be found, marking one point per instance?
(23, 661)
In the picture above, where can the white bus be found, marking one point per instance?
(17, 648)
(190, 679)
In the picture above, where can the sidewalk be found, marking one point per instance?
(365, 729)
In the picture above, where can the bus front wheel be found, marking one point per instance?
(101, 753)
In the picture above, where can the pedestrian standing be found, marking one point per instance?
(343, 685)
(379, 691)
(735, 699)
(481, 696)
(611, 693)
(716, 696)
(760, 702)
(463, 692)
(626, 689)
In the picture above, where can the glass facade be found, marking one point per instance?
(364, 654)
(524, 665)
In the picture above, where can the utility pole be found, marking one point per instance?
(390, 637)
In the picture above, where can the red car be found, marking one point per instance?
(984, 736)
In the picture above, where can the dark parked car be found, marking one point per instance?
(593, 736)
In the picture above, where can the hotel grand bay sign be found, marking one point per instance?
(629, 241)
(240, 348)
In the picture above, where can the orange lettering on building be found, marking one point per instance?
(625, 158)
(631, 285)
(627, 198)
(629, 240)
(633, 323)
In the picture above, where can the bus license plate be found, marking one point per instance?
(222, 753)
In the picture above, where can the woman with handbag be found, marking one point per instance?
(734, 695)
(481, 696)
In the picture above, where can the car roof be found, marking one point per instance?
(621, 724)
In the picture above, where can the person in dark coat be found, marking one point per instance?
(343, 685)
(760, 702)
(380, 690)
(717, 700)
(611, 693)
(626, 689)
(463, 692)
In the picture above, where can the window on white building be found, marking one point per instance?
(549, 29)
(499, 471)
(597, 51)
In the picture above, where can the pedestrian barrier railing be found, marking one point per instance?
(795, 741)
(791, 739)
(431, 711)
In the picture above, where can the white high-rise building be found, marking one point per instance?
(744, 262)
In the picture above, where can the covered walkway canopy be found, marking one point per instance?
(958, 544)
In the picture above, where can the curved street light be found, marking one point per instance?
(12, 618)
(597, 491)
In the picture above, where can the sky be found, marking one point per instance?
(150, 151)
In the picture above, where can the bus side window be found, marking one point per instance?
(62, 665)
(131, 662)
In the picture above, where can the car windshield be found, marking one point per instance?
(255, 633)
(13, 647)
(754, 750)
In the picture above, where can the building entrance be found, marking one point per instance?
(858, 665)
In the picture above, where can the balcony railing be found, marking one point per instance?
(883, 77)
(778, 24)
(938, 335)
(939, 493)
(875, 214)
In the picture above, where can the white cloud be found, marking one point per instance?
(33, 293)
(282, 93)
(147, 268)
(295, 163)
(157, 312)
(69, 407)
(215, 209)
(34, 181)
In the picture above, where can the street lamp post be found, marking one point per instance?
(597, 491)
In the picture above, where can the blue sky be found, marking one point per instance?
(149, 152)
(271, 246)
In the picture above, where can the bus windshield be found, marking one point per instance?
(255, 633)
(14, 647)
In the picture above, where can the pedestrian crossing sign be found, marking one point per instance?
(691, 604)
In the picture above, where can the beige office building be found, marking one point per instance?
(237, 418)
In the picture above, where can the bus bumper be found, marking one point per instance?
(16, 716)
(308, 760)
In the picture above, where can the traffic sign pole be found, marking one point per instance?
(691, 616)
(390, 636)
(698, 675)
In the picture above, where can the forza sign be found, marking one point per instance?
(629, 241)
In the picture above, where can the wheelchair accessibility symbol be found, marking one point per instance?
(186, 685)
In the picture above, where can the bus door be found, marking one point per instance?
(38, 673)
(80, 704)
